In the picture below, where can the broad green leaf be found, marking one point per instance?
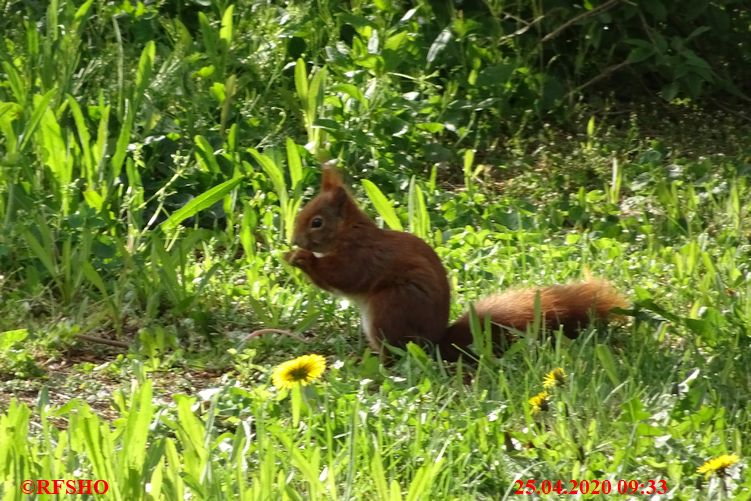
(136, 435)
(639, 54)
(16, 83)
(123, 139)
(294, 164)
(315, 93)
(84, 138)
(382, 205)
(99, 149)
(201, 202)
(469, 158)
(9, 338)
(308, 464)
(275, 174)
(98, 440)
(301, 81)
(143, 74)
(9, 112)
(395, 41)
(432, 127)
(440, 43)
(208, 36)
(378, 476)
(40, 252)
(191, 434)
(205, 155)
(82, 11)
(95, 278)
(225, 32)
(157, 478)
(94, 199)
(419, 219)
(423, 480)
(591, 126)
(41, 106)
(56, 155)
(395, 493)
(174, 470)
(352, 91)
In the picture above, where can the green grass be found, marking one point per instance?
(152, 159)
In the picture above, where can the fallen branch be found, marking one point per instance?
(101, 340)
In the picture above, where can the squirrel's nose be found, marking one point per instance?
(296, 240)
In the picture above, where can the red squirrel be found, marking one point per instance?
(401, 286)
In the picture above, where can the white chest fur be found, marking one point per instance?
(367, 326)
(367, 322)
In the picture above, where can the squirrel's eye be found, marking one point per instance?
(316, 222)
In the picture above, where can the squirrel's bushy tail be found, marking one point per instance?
(571, 306)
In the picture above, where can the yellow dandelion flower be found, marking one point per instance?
(554, 378)
(301, 370)
(718, 465)
(539, 402)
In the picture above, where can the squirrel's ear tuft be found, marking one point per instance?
(339, 197)
(331, 179)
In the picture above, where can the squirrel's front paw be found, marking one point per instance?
(298, 257)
